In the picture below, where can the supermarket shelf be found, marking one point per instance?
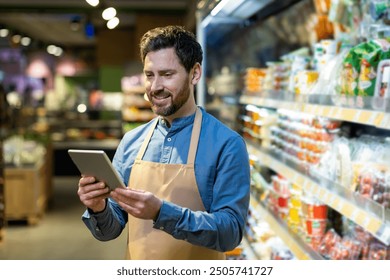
(370, 215)
(249, 251)
(87, 144)
(293, 242)
(334, 110)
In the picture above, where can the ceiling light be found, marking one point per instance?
(93, 3)
(58, 51)
(109, 13)
(51, 49)
(4, 32)
(54, 50)
(16, 38)
(112, 23)
(25, 41)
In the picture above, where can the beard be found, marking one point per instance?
(174, 103)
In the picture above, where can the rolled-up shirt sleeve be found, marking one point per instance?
(108, 224)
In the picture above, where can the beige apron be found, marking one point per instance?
(171, 182)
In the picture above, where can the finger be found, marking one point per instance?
(134, 211)
(85, 180)
(93, 190)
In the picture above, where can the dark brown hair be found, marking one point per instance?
(184, 42)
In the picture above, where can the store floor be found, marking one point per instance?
(60, 234)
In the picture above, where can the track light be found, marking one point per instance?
(109, 13)
(4, 32)
(112, 23)
(25, 41)
(93, 3)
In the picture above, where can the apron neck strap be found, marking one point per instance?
(142, 150)
(194, 138)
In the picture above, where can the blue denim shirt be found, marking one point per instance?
(222, 175)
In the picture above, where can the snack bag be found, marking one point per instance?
(360, 67)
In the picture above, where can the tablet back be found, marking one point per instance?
(96, 163)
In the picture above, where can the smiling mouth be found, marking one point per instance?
(161, 96)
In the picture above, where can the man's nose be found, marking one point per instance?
(156, 84)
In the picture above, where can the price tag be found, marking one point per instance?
(366, 221)
(363, 116)
(354, 214)
(385, 236)
(332, 112)
(349, 114)
(348, 210)
(321, 194)
(333, 201)
(372, 118)
(327, 198)
(379, 118)
(356, 118)
(385, 121)
(339, 113)
(299, 180)
(326, 112)
(340, 205)
(320, 111)
(360, 218)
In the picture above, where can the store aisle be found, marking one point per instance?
(60, 234)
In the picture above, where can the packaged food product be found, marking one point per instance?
(314, 209)
(382, 87)
(322, 6)
(305, 80)
(330, 239)
(360, 67)
(315, 227)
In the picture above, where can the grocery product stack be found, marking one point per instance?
(313, 222)
(256, 124)
(303, 138)
(325, 175)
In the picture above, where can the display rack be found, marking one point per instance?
(362, 211)
(28, 187)
(136, 109)
(364, 115)
(301, 250)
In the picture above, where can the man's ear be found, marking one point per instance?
(196, 73)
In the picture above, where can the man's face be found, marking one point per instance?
(167, 82)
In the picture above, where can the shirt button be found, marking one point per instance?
(162, 228)
(169, 139)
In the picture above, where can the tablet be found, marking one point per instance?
(96, 163)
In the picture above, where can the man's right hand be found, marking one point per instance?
(93, 193)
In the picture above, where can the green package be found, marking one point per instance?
(360, 67)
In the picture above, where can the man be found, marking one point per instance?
(187, 173)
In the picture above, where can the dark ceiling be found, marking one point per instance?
(49, 20)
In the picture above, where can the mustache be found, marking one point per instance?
(158, 93)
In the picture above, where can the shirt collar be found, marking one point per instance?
(178, 123)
